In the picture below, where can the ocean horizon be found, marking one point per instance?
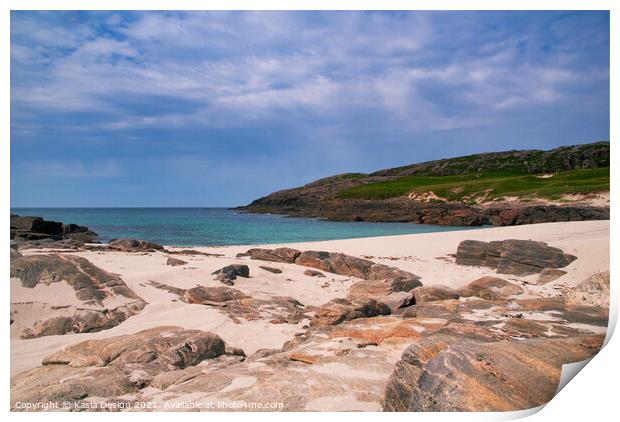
(216, 226)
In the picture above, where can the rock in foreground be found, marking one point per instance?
(100, 300)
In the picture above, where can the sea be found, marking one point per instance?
(217, 226)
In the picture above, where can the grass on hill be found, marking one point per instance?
(492, 185)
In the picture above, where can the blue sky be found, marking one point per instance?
(219, 108)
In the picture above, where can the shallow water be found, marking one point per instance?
(216, 226)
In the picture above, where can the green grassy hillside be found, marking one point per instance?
(492, 185)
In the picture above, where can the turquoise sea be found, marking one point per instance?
(216, 226)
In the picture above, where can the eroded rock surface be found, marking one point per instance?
(100, 300)
(115, 366)
(517, 257)
(339, 310)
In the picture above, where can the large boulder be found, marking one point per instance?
(337, 263)
(512, 256)
(523, 257)
(471, 252)
(338, 310)
(491, 288)
(133, 245)
(287, 255)
(434, 293)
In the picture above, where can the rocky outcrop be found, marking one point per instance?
(483, 376)
(323, 198)
(287, 255)
(133, 245)
(434, 293)
(337, 263)
(229, 273)
(30, 228)
(517, 257)
(238, 306)
(534, 214)
(339, 310)
(101, 299)
(492, 355)
(491, 288)
(115, 366)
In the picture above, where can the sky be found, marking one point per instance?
(113, 109)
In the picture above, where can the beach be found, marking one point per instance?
(429, 256)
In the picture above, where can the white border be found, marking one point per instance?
(591, 395)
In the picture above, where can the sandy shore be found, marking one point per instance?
(427, 255)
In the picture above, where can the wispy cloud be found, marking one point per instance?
(209, 82)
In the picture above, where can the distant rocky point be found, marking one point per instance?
(500, 188)
(29, 228)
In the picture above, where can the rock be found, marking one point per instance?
(549, 274)
(381, 288)
(434, 293)
(112, 367)
(286, 255)
(205, 295)
(271, 269)
(84, 313)
(36, 228)
(338, 310)
(336, 263)
(535, 214)
(381, 272)
(314, 273)
(133, 245)
(175, 262)
(482, 376)
(594, 291)
(491, 288)
(472, 252)
(168, 347)
(230, 272)
(517, 257)
(523, 257)
(88, 281)
(397, 300)
(322, 199)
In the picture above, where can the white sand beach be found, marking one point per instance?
(430, 256)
